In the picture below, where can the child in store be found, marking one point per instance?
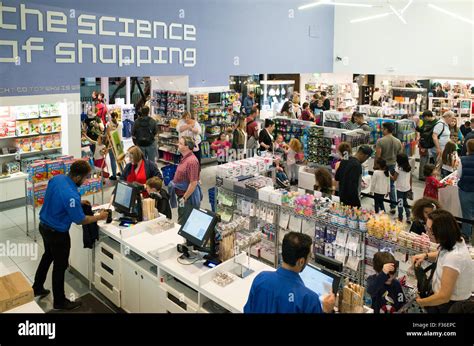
(420, 210)
(380, 183)
(162, 200)
(450, 159)
(432, 184)
(281, 176)
(280, 146)
(385, 290)
(324, 182)
(293, 155)
(221, 146)
(403, 183)
(100, 151)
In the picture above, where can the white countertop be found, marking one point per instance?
(14, 176)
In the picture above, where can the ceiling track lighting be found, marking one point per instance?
(397, 14)
(333, 3)
(452, 14)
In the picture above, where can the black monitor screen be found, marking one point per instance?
(214, 98)
(198, 226)
(123, 195)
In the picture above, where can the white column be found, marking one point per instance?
(127, 91)
(104, 88)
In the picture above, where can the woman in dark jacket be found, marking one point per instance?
(139, 169)
(265, 137)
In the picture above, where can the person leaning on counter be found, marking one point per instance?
(283, 290)
(62, 206)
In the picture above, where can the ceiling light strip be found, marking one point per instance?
(398, 14)
(406, 6)
(358, 20)
(454, 15)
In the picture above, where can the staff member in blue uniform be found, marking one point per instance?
(283, 291)
(62, 206)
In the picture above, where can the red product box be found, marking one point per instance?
(37, 172)
(54, 167)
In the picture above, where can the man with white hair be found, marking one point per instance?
(441, 136)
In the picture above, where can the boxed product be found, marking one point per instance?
(25, 112)
(26, 162)
(34, 126)
(44, 110)
(36, 196)
(94, 185)
(23, 128)
(45, 126)
(57, 140)
(67, 165)
(54, 168)
(84, 188)
(12, 167)
(37, 172)
(47, 142)
(55, 125)
(63, 157)
(265, 193)
(23, 145)
(54, 110)
(15, 291)
(244, 167)
(36, 144)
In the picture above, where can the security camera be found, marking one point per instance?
(338, 58)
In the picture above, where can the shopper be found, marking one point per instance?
(306, 114)
(326, 101)
(143, 134)
(450, 159)
(425, 139)
(384, 289)
(94, 96)
(432, 184)
(265, 137)
(344, 151)
(101, 108)
(380, 184)
(452, 280)
(420, 211)
(185, 191)
(439, 91)
(239, 138)
(360, 122)
(349, 176)
(324, 183)
(62, 206)
(454, 131)
(466, 128)
(403, 184)
(189, 127)
(280, 146)
(287, 110)
(252, 130)
(377, 95)
(139, 169)
(387, 148)
(154, 188)
(283, 291)
(441, 136)
(296, 107)
(249, 102)
(113, 125)
(313, 104)
(94, 129)
(468, 137)
(221, 146)
(466, 188)
(351, 124)
(294, 151)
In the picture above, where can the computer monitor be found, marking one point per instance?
(127, 199)
(328, 262)
(198, 227)
(320, 280)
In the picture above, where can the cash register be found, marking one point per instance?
(128, 202)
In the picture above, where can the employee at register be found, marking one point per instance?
(283, 290)
(62, 206)
(139, 169)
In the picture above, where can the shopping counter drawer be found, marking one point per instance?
(108, 255)
(107, 289)
(111, 275)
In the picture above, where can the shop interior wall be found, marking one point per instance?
(329, 78)
(430, 44)
(70, 122)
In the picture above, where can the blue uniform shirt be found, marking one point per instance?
(62, 204)
(282, 291)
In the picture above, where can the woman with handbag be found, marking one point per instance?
(452, 281)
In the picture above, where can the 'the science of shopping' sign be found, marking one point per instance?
(41, 22)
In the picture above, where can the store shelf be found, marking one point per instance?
(35, 134)
(40, 151)
(8, 137)
(162, 135)
(167, 150)
(8, 155)
(166, 161)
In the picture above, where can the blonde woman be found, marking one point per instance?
(189, 127)
(295, 150)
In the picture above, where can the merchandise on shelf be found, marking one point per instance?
(25, 112)
(47, 142)
(12, 167)
(37, 172)
(34, 127)
(54, 168)
(56, 140)
(291, 128)
(23, 128)
(36, 194)
(23, 145)
(36, 144)
(319, 147)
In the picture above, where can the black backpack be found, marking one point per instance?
(424, 283)
(144, 132)
(426, 135)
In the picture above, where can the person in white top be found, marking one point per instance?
(403, 182)
(441, 136)
(380, 184)
(453, 280)
(189, 127)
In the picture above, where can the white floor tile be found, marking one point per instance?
(29, 267)
(5, 222)
(13, 232)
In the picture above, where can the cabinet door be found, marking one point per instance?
(148, 293)
(15, 189)
(130, 287)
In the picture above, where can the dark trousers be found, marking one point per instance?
(56, 250)
(379, 206)
(198, 155)
(184, 212)
(440, 309)
(403, 204)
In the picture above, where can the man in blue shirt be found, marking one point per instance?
(283, 291)
(62, 206)
(249, 102)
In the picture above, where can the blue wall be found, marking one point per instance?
(259, 32)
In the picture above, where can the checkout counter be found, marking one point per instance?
(138, 268)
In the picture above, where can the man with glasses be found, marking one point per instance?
(62, 206)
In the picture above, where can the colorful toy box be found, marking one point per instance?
(67, 165)
(34, 127)
(36, 195)
(36, 144)
(47, 142)
(54, 168)
(45, 126)
(55, 125)
(57, 140)
(23, 128)
(23, 145)
(37, 172)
